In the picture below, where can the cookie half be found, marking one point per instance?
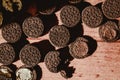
(79, 48)
(109, 31)
(25, 73)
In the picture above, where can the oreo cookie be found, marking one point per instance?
(74, 1)
(92, 16)
(52, 61)
(7, 54)
(33, 27)
(25, 73)
(111, 8)
(59, 36)
(79, 48)
(11, 32)
(30, 55)
(109, 31)
(70, 15)
(6, 73)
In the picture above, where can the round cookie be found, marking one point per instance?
(70, 15)
(59, 36)
(33, 27)
(52, 61)
(11, 32)
(5, 73)
(78, 49)
(7, 54)
(111, 8)
(92, 16)
(74, 1)
(30, 55)
(25, 73)
(109, 31)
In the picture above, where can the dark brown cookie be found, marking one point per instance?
(48, 11)
(5, 73)
(111, 8)
(92, 16)
(78, 49)
(33, 27)
(52, 61)
(109, 31)
(30, 55)
(70, 15)
(74, 1)
(59, 36)
(11, 32)
(25, 73)
(7, 54)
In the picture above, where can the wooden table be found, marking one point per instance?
(103, 64)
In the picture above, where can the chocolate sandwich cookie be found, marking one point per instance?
(6, 73)
(70, 15)
(33, 27)
(74, 1)
(30, 55)
(111, 8)
(59, 36)
(26, 73)
(52, 61)
(7, 54)
(109, 31)
(11, 32)
(92, 16)
(78, 49)
(12, 5)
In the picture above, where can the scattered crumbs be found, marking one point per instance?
(97, 75)
(80, 75)
(98, 61)
(112, 70)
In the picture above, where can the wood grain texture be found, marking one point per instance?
(103, 64)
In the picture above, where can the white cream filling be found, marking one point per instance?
(24, 74)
